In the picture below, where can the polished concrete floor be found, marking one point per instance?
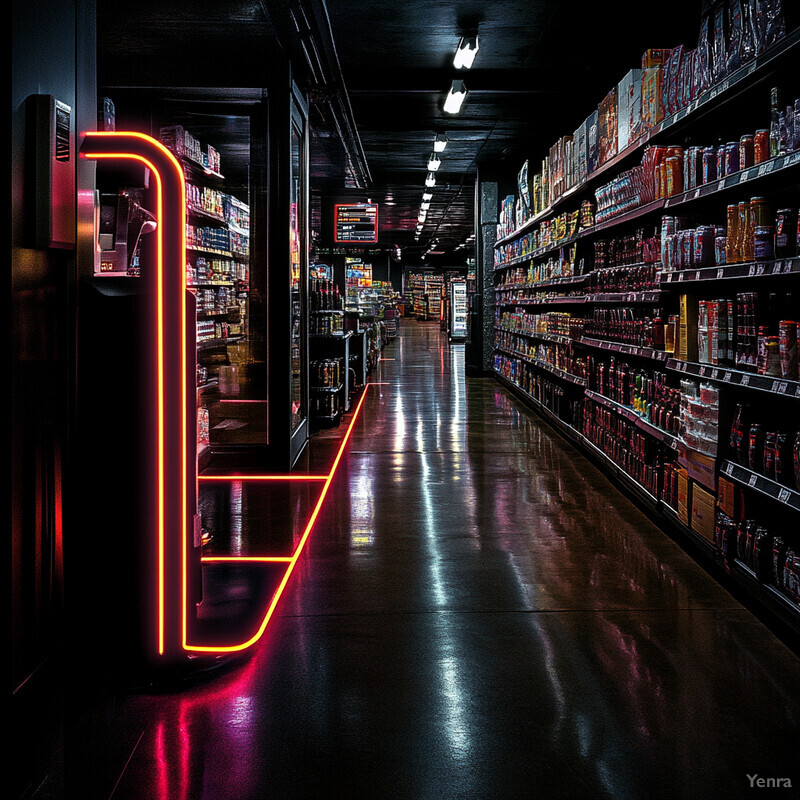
(478, 614)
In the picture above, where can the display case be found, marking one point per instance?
(288, 279)
(457, 310)
(231, 370)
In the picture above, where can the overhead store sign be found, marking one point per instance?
(355, 223)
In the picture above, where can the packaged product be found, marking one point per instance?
(734, 35)
(580, 153)
(703, 64)
(773, 22)
(652, 100)
(607, 127)
(592, 142)
(629, 114)
(747, 50)
(672, 101)
(524, 189)
(685, 93)
(719, 48)
(653, 58)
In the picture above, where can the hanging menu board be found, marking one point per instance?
(356, 223)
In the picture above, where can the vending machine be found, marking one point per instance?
(458, 310)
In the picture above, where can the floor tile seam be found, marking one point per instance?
(520, 611)
(470, 450)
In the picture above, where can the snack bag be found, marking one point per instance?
(734, 35)
(719, 49)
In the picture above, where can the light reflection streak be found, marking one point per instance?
(455, 727)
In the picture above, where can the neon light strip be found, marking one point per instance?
(262, 478)
(298, 550)
(172, 386)
(148, 151)
(240, 559)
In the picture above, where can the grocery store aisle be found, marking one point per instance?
(479, 614)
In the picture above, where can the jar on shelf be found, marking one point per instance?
(763, 243)
(786, 233)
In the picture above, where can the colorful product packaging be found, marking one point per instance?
(652, 100)
(653, 58)
(580, 154)
(629, 105)
(607, 127)
(592, 142)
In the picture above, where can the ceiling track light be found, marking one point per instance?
(439, 143)
(434, 162)
(467, 50)
(455, 97)
(430, 180)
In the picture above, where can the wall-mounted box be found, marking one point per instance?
(50, 198)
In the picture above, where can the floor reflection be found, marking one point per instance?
(479, 614)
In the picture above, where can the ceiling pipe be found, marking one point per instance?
(313, 38)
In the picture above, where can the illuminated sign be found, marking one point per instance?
(355, 223)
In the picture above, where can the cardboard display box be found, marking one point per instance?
(703, 512)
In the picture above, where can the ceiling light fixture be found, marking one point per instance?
(430, 180)
(425, 205)
(455, 97)
(427, 196)
(467, 50)
(439, 143)
(434, 162)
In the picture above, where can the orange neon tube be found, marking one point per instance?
(168, 286)
(175, 405)
(298, 550)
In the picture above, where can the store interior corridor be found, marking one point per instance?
(478, 613)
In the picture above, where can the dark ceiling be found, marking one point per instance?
(542, 67)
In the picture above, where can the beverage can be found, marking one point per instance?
(746, 151)
(787, 338)
(761, 145)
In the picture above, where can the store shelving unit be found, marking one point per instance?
(330, 402)
(218, 273)
(574, 291)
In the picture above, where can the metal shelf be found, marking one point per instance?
(545, 337)
(749, 269)
(765, 169)
(760, 483)
(327, 389)
(733, 377)
(535, 362)
(716, 95)
(626, 349)
(666, 438)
